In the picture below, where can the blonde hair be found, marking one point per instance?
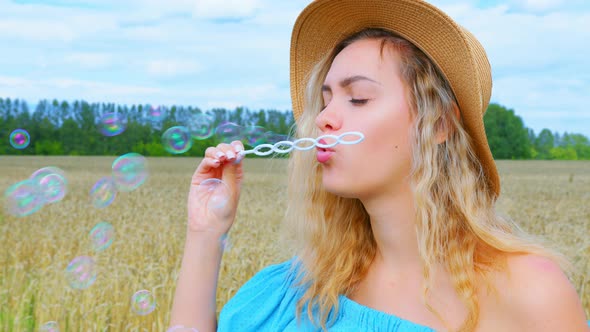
(332, 236)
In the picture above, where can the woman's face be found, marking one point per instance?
(363, 91)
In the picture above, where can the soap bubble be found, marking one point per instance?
(228, 132)
(143, 302)
(215, 193)
(42, 172)
(272, 138)
(103, 192)
(19, 139)
(156, 116)
(177, 140)
(53, 187)
(129, 171)
(112, 124)
(23, 198)
(255, 135)
(81, 272)
(225, 243)
(200, 126)
(50, 326)
(52, 183)
(101, 236)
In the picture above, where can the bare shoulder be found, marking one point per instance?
(540, 297)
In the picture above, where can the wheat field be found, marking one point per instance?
(550, 199)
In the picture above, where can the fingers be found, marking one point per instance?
(226, 152)
(238, 147)
(213, 164)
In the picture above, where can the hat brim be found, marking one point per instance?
(455, 51)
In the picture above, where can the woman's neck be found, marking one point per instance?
(392, 217)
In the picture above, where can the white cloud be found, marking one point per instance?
(68, 88)
(36, 30)
(219, 9)
(7, 81)
(252, 96)
(544, 92)
(45, 23)
(543, 101)
(90, 60)
(538, 5)
(171, 68)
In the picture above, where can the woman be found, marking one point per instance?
(399, 232)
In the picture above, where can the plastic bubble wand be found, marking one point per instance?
(308, 144)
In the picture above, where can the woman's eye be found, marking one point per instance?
(359, 101)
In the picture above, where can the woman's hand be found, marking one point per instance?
(215, 190)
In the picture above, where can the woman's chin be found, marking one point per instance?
(339, 189)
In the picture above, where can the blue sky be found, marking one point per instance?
(226, 53)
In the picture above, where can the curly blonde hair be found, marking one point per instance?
(456, 221)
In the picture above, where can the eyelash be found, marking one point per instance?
(356, 102)
(359, 101)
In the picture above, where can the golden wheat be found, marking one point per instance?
(547, 198)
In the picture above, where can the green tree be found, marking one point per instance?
(544, 143)
(507, 136)
(563, 153)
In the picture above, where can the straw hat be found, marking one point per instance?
(456, 52)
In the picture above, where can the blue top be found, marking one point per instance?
(267, 302)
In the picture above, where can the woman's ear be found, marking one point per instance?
(445, 128)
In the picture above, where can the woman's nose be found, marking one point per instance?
(328, 119)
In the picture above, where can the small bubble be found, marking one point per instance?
(225, 243)
(200, 126)
(52, 183)
(228, 132)
(255, 135)
(143, 302)
(50, 326)
(177, 140)
(103, 192)
(23, 198)
(42, 172)
(19, 139)
(53, 187)
(102, 236)
(215, 193)
(81, 272)
(273, 138)
(156, 116)
(129, 171)
(112, 124)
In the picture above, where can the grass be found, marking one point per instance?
(546, 198)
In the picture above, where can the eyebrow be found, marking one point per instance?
(348, 81)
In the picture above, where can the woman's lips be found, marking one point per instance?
(323, 154)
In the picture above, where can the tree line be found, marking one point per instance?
(509, 138)
(71, 128)
(62, 128)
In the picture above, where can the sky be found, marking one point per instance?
(229, 53)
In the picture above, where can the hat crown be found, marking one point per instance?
(484, 70)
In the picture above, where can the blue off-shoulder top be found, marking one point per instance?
(267, 302)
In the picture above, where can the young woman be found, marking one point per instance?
(399, 232)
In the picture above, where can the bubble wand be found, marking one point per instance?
(288, 146)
